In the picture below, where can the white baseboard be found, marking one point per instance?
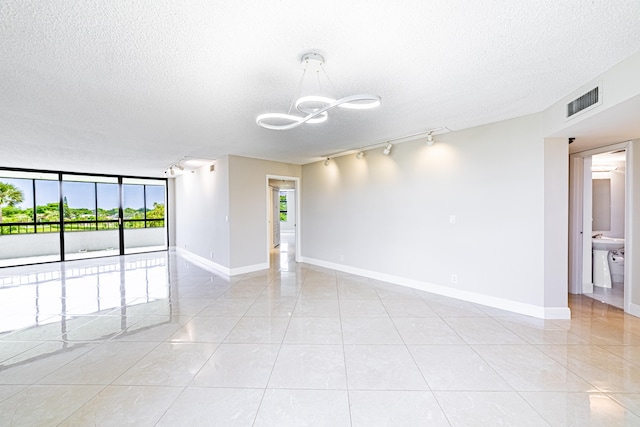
(210, 265)
(203, 262)
(634, 309)
(249, 268)
(500, 303)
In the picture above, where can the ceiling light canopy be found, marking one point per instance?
(314, 108)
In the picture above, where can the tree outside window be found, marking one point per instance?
(283, 207)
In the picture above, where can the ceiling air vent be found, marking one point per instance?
(585, 101)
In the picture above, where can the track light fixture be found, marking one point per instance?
(186, 164)
(389, 144)
(326, 162)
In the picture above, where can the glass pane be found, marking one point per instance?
(133, 201)
(108, 202)
(19, 244)
(16, 204)
(150, 235)
(83, 238)
(47, 206)
(79, 204)
(155, 202)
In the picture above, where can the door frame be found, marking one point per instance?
(580, 261)
(297, 191)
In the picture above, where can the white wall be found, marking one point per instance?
(390, 215)
(631, 251)
(619, 84)
(290, 223)
(29, 245)
(221, 216)
(201, 210)
(556, 226)
(248, 209)
(171, 211)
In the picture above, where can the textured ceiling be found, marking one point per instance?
(130, 87)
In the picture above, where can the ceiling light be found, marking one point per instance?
(315, 108)
(171, 171)
(360, 155)
(387, 149)
(430, 140)
(326, 162)
(603, 168)
(180, 167)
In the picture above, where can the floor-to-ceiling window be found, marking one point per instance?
(144, 215)
(29, 217)
(91, 211)
(54, 216)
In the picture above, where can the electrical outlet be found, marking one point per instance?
(454, 278)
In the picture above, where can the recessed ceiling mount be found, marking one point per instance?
(314, 107)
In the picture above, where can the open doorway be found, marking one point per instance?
(599, 230)
(283, 221)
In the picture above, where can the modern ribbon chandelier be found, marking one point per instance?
(314, 109)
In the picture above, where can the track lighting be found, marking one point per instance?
(389, 144)
(326, 162)
(180, 167)
(171, 171)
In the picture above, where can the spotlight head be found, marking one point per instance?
(387, 149)
(360, 155)
(326, 162)
(180, 167)
(171, 171)
(430, 140)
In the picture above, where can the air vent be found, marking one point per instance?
(585, 101)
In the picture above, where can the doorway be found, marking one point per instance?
(600, 210)
(283, 222)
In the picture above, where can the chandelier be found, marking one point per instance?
(312, 108)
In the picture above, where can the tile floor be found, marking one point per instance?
(152, 339)
(613, 296)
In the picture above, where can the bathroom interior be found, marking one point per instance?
(608, 218)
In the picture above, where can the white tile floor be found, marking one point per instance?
(152, 339)
(613, 296)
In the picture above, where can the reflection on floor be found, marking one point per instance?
(152, 339)
(613, 296)
(284, 255)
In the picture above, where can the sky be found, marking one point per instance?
(82, 194)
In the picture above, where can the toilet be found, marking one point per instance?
(616, 266)
(607, 251)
